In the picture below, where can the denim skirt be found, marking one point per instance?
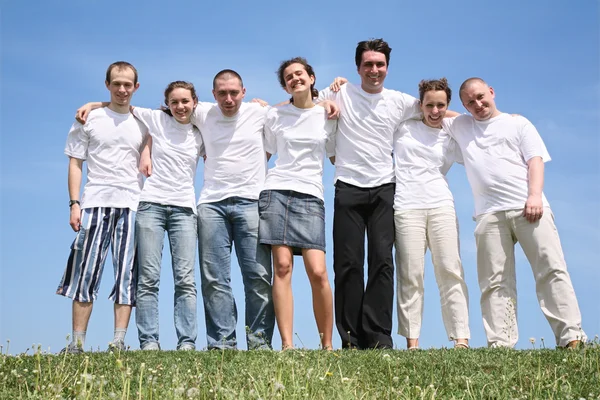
(291, 219)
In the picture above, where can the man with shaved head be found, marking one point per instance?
(504, 158)
(234, 174)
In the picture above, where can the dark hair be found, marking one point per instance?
(227, 73)
(121, 65)
(378, 45)
(309, 70)
(435, 84)
(177, 85)
(467, 83)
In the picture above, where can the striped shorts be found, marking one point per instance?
(100, 227)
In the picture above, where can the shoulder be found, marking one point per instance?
(520, 120)
(97, 115)
(398, 97)
(254, 109)
(459, 120)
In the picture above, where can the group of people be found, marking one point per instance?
(391, 152)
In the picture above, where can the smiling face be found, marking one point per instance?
(182, 104)
(372, 71)
(229, 94)
(297, 80)
(434, 106)
(478, 99)
(121, 86)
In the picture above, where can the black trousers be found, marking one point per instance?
(363, 314)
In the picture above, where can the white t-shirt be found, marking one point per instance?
(236, 164)
(495, 154)
(423, 155)
(364, 142)
(300, 138)
(110, 143)
(175, 151)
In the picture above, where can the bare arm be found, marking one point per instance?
(83, 111)
(74, 183)
(283, 103)
(145, 166)
(534, 206)
(451, 114)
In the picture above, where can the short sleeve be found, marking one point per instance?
(200, 112)
(145, 115)
(448, 124)
(408, 107)
(77, 142)
(199, 143)
(331, 129)
(270, 140)
(453, 153)
(326, 94)
(531, 144)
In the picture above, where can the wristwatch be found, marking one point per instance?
(71, 202)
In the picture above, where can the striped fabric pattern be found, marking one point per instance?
(101, 227)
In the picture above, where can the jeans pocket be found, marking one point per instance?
(264, 200)
(143, 206)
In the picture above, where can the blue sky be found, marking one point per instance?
(541, 57)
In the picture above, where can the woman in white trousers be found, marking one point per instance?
(424, 218)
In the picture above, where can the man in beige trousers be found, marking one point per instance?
(504, 158)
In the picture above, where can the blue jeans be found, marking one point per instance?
(152, 220)
(234, 220)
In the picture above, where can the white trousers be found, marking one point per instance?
(437, 229)
(496, 234)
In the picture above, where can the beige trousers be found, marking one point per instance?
(437, 229)
(496, 234)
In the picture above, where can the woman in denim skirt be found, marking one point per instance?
(291, 208)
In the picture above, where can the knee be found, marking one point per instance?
(318, 277)
(283, 269)
(186, 284)
(148, 283)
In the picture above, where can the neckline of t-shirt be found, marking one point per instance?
(182, 127)
(302, 109)
(117, 114)
(235, 116)
(490, 120)
(433, 131)
(369, 95)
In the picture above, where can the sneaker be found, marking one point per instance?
(151, 346)
(116, 346)
(187, 347)
(71, 349)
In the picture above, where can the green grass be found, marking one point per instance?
(313, 374)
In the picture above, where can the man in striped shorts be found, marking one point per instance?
(110, 142)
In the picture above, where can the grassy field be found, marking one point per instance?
(312, 374)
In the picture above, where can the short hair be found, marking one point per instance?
(378, 45)
(178, 85)
(227, 74)
(121, 65)
(307, 67)
(466, 83)
(435, 84)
